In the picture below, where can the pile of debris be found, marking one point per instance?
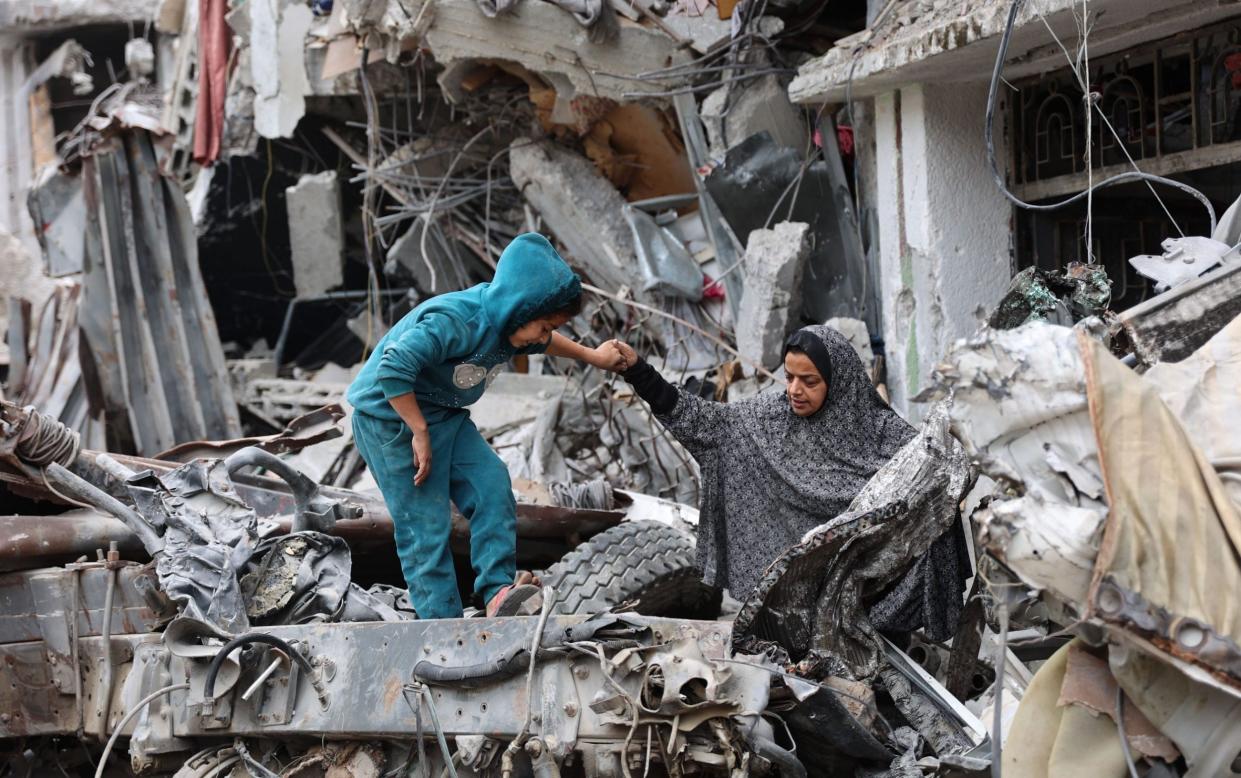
(1112, 517)
(312, 171)
(249, 631)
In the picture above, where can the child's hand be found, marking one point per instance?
(610, 356)
(629, 356)
(422, 456)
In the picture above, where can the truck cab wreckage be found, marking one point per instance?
(243, 647)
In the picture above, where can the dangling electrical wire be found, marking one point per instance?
(989, 137)
(1081, 82)
(1089, 97)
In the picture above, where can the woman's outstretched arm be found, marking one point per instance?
(692, 420)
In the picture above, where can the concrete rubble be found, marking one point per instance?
(733, 114)
(316, 233)
(212, 211)
(580, 207)
(775, 265)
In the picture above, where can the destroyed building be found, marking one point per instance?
(944, 241)
(1022, 214)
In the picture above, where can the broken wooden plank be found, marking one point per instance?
(1173, 325)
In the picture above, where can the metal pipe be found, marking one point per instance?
(262, 679)
(506, 760)
(783, 759)
(109, 599)
(145, 701)
(542, 763)
(113, 468)
(88, 493)
(304, 489)
(27, 538)
(979, 682)
(213, 670)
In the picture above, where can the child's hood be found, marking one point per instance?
(531, 280)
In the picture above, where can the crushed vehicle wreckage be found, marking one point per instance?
(244, 641)
(1115, 510)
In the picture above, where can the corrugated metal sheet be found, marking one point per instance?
(155, 362)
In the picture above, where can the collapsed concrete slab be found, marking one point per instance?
(515, 400)
(733, 114)
(581, 208)
(550, 42)
(437, 264)
(775, 260)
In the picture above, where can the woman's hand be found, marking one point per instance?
(629, 357)
(422, 455)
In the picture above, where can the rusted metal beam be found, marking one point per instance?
(28, 541)
(306, 430)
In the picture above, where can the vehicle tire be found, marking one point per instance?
(646, 562)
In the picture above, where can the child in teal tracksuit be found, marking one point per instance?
(411, 425)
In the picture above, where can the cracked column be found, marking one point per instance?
(775, 261)
(943, 227)
(316, 235)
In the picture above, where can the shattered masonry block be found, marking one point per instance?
(753, 107)
(580, 207)
(316, 233)
(775, 260)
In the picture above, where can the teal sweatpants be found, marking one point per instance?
(464, 470)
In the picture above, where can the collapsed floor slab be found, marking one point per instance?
(539, 36)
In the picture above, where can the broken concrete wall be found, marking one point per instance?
(278, 67)
(937, 41)
(46, 15)
(775, 261)
(943, 236)
(316, 233)
(545, 39)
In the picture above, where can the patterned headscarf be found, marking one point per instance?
(769, 476)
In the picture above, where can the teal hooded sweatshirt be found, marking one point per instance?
(450, 347)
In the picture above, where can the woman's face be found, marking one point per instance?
(806, 388)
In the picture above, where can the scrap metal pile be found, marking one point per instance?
(245, 646)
